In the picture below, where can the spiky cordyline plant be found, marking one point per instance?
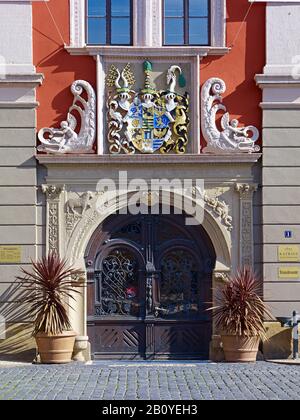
(239, 309)
(46, 293)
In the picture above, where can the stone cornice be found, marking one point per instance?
(267, 80)
(21, 105)
(237, 159)
(280, 105)
(30, 80)
(132, 51)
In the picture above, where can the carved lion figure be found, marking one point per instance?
(83, 202)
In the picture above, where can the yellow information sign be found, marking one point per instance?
(10, 254)
(289, 253)
(289, 272)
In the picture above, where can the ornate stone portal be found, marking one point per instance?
(150, 120)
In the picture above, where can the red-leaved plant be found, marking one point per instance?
(239, 308)
(46, 293)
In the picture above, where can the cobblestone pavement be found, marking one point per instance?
(150, 381)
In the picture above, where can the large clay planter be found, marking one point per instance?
(56, 348)
(240, 349)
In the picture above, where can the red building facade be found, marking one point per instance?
(200, 95)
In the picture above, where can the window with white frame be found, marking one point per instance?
(149, 23)
(109, 22)
(186, 22)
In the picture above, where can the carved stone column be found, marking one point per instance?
(246, 223)
(53, 193)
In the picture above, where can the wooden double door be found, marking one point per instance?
(149, 285)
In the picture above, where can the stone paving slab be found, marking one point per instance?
(150, 381)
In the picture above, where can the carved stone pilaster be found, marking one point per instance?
(53, 193)
(246, 192)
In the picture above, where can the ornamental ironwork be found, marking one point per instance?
(118, 285)
(179, 285)
(149, 120)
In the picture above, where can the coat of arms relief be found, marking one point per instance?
(149, 120)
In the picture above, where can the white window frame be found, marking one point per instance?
(147, 27)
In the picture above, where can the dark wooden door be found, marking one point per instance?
(150, 280)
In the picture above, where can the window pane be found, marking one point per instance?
(97, 8)
(174, 8)
(198, 8)
(120, 7)
(120, 31)
(97, 31)
(198, 31)
(174, 34)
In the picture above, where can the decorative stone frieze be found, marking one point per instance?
(88, 221)
(83, 203)
(71, 221)
(219, 207)
(246, 192)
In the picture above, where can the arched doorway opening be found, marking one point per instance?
(149, 285)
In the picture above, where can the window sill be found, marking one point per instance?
(109, 50)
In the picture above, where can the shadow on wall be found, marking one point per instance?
(64, 70)
(239, 67)
(16, 341)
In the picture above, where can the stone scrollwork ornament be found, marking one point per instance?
(66, 139)
(149, 120)
(232, 139)
(219, 207)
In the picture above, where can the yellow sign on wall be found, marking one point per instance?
(289, 253)
(289, 272)
(10, 254)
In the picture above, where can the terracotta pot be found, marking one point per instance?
(56, 348)
(240, 349)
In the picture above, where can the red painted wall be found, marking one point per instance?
(245, 59)
(238, 68)
(58, 66)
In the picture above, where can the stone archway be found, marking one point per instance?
(70, 234)
(150, 283)
(217, 231)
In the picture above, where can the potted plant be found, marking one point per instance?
(46, 294)
(239, 315)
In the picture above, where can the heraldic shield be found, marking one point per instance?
(148, 127)
(149, 120)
